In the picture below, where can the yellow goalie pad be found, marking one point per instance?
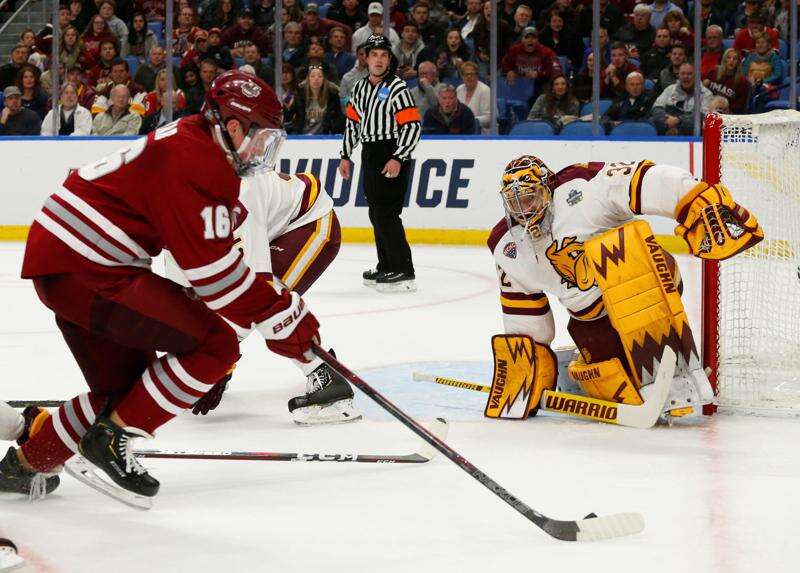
(605, 380)
(523, 369)
(640, 296)
(713, 224)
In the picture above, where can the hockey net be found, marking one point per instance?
(751, 317)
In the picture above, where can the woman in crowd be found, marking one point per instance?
(476, 95)
(570, 12)
(192, 87)
(762, 66)
(36, 57)
(317, 107)
(564, 42)
(97, 31)
(557, 105)
(287, 93)
(73, 119)
(680, 32)
(728, 81)
(293, 10)
(141, 39)
(452, 54)
(73, 51)
(222, 15)
(480, 37)
(582, 82)
(152, 101)
(33, 96)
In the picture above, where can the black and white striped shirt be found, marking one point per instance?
(380, 112)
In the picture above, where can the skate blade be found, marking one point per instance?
(405, 286)
(83, 471)
(341, 412)
(369, 283)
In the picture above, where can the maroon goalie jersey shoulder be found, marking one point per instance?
(585, 171)
(497, 233)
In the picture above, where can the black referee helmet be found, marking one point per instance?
(376, 42)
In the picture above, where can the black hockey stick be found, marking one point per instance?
(423, 454)
(588, 529)
(40, 403)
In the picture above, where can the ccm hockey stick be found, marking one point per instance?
(588, 529)
(643, 416)
(424, 453)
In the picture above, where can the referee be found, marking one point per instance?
(382, 115)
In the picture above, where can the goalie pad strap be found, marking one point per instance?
(641, 298)
(523, 369)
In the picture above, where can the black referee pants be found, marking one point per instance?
(385, 200)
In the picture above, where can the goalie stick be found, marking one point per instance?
(588, 529)
(643, 416)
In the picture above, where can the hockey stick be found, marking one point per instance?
(587, 529)
(40, 403)
(643, 416)
(424, 453)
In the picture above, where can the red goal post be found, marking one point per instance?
(751, 303)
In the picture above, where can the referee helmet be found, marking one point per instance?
(376, 42)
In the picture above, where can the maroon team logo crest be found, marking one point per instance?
(251, 89)
(510, 250)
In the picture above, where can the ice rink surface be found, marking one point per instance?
(721, 496)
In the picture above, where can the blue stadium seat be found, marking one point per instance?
(727, 43)
(268, 61)
(783, 49)
(581, 129)
(323, 10)
(777, 104)
(455, 82)
(537, 128)
(158, 29)
(565, 65)
(649, 85)
(517, 96)
(634, 128)
(635, 62)
(238, 62)
(502, 107)
(586, 108)
(412, 83)
(133, 64)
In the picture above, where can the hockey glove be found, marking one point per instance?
(714, 225)
(213, 397)
(291, 329)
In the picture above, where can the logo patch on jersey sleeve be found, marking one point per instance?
(574, 197)
(510, 250)
(571, 264)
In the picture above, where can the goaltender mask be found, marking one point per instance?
(575, 235)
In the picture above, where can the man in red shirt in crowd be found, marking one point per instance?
(615, 74)
(318, 28)
(712, 51)
(245, 30)
(530, 59)
(100, 71)
(756, 25)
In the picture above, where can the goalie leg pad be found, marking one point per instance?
(641, 299)
(523, 370)
(605, 380)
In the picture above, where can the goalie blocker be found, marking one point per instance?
(644, 307)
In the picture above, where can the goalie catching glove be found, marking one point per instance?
(713, 224)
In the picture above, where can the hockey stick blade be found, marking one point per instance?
(83, 471)
(454, 382)
(588, 529)
(424, 453)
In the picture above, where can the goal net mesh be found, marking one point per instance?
(759, 291)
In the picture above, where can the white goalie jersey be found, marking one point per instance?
(588, 200)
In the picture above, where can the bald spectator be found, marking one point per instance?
(9, 71)
(673, 111)
(523, 18)
(449, 116)
(638, 35)
(118, 119)
(712, 51)
(426, 92)
(634, 105)
(15, 119)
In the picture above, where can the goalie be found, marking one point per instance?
(574, 235)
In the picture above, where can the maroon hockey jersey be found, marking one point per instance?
(173, 189)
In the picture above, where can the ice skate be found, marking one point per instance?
(14, 478)
(370, 277)
(396, 282)
(328, 400)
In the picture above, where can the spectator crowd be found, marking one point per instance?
(113, 79)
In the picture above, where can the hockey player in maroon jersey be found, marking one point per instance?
(88, 255)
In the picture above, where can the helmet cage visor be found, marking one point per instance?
(526, 203)
(260, 149)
